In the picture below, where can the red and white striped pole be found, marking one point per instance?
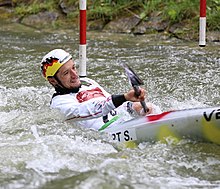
(82, 33)
(202, 24)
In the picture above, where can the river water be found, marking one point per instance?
(39, 150)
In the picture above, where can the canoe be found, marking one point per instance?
(199, 124)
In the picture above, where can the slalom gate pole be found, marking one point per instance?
(202, 24)
(82, 33)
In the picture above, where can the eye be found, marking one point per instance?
(65, 73)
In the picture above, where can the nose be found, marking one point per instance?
(73, 72)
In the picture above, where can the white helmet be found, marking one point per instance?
(52, 61)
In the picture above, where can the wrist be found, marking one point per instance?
(118, 100)
(126, 96)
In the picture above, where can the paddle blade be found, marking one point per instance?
(135, 81)
(132, 76)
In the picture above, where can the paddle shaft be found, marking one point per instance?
(137, 93)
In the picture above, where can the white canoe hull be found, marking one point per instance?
(201, 124)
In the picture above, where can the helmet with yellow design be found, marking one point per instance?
(52, 62)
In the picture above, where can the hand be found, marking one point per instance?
(139, 109)
(130, 95)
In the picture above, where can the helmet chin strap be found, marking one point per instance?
(61, 89)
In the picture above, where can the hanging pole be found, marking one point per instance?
(202, 24)
(82, 33)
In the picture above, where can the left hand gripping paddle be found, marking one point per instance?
(135, 82)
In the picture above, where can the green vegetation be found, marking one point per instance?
(108, 10)
(33, 7)
(186, 9)
(173, 11)
(213, 15)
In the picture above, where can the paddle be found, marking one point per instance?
(135, 82)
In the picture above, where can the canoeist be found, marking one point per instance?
(83, 100)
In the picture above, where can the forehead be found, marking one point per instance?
(66, 66)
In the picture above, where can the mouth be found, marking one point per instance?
(74, 80)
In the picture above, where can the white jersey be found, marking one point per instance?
(92, 106)
(88, 106)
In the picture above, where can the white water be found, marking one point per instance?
(39, 150)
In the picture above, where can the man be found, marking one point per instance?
(84, 101)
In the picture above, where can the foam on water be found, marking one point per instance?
(40, 150)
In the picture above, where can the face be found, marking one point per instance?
(68, 75)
